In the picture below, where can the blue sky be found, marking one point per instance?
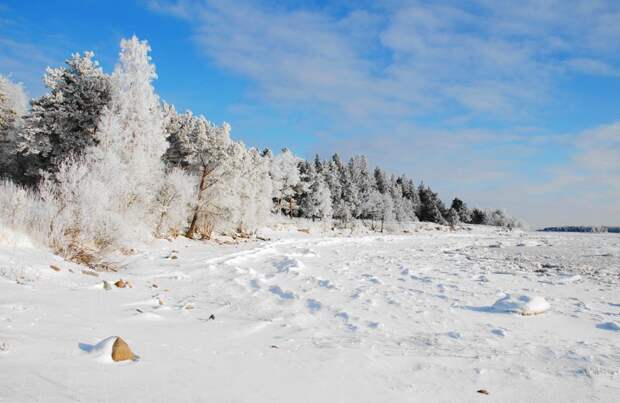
(507, 104)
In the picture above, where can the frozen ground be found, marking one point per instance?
(301, 318)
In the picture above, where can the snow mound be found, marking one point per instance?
(521, 304)
(102, 351)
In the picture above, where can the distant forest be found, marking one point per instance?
(598, 229)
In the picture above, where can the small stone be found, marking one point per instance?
(121, 283)
(54, 267)
(107, 286)
(173, 257)
(121, 351)
(161, 301)
(212, 317)
(483, 391)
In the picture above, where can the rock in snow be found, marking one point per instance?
(110, 349)
(521, 304)
(121, 351)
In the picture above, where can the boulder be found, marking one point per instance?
(121, 351)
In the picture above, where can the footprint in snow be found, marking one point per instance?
(499, 332)
(281, 293)
(288, 264)
(346, 318)
(325, 284)
(613, 326)
(313, 305)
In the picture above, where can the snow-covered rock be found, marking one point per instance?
(109, 350)
(521, 304)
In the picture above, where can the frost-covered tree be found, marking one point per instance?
(431, 206)
(363, 185)
(318, 164)
(204, 150)
(452, 217)
(374, 206)
(316, 201)
(461, 208)
(119, 191)
(256, 195)
(350, 204)
(478, 216)
(285, 177)
(64, 121)
(13, 106)
(387, 211)
(331, 175)
(381, 180)
(411, 197)
(233, 184)
(242, 195)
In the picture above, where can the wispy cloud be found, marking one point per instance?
(407, 58)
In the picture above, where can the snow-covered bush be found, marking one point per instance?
(175, 199)
(23, 210)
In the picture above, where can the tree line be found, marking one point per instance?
(100, 160)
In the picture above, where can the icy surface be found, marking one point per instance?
(302, 318)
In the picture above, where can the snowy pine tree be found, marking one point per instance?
(363, 182)
(64, 121)
(461, 208)
(431, 205)
(13, 105)
(316, 202)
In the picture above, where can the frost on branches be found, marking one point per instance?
(232, 182)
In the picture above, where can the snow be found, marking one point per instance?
(435, 315)
(521, 304)
(101, 351)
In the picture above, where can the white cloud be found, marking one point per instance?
(407, 59)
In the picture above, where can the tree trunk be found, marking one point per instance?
(192, 227)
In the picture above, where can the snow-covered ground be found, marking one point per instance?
(428, 316)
